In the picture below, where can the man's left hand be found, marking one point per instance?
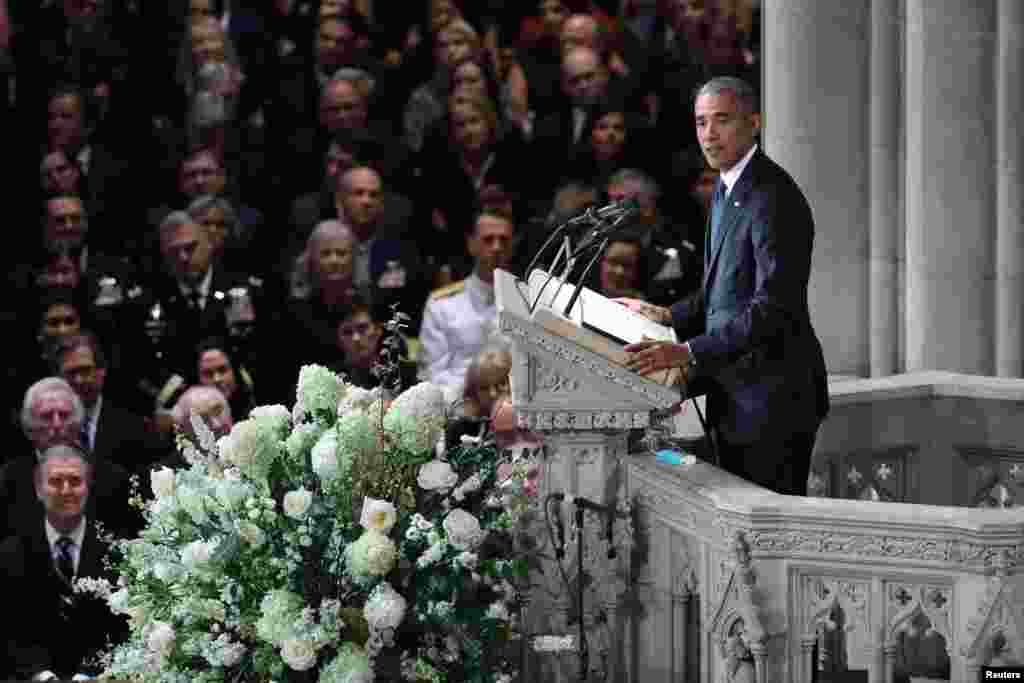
(651, 356)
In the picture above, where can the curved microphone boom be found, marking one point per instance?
(614, 211)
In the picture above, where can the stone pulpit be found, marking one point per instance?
(568, 384)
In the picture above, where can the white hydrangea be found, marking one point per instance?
(463, 529)
(372, 554)
(276, 416)
(318, 392)
(326, 459)
(279, 611)
(298, 653)
(385, 608)
(417, 417)
(351, 665)
(302, 439)
(358, 400)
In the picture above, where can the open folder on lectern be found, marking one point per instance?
(594, 321)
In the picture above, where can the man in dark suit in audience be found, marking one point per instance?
(747, 335)
(109, 431)
(59, 544)
(52, 415)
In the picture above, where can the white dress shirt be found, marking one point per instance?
(203, 288)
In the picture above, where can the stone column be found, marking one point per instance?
(807, 662)
(886, 226)
(1009, 197)
(950, 185)
(815, 104)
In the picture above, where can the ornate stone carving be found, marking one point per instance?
(588, 362)
(550, 379)
(580, 420)
(998, 623)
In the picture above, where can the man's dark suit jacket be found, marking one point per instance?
(748, 325)
(53, 633)
(121, 438)
(108, 497)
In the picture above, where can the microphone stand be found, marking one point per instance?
(583, 277)
(584, 649)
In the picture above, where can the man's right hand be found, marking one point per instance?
(658, 314)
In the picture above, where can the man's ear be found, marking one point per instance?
(472, 244)
(755, 121)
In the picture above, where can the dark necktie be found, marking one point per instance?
(65, 562)
(84, 436)
(195, 300)
(717, 205)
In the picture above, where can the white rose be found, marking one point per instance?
(385, 608)
(436, 475)
(277, 415)
(298, 653)
(378, 515)
(251, 534)
(296, 503)
(325, 455)
(162, 482)
(161, 638)
(463, 529)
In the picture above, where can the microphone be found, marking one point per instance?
(614, 211)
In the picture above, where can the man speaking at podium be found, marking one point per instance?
(749, 344)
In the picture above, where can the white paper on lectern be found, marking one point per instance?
(595, 311)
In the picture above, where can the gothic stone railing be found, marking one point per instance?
(735, 583)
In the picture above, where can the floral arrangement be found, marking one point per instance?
(329, 542)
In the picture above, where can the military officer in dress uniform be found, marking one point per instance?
(459, 319)
(191, 300)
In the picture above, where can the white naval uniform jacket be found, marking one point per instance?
(458, 321)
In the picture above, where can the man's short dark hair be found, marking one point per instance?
(745, 94)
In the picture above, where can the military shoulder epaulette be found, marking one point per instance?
(448, 290)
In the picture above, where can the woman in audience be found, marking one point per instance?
(217, 366)
(613, 139)
(322, 292)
